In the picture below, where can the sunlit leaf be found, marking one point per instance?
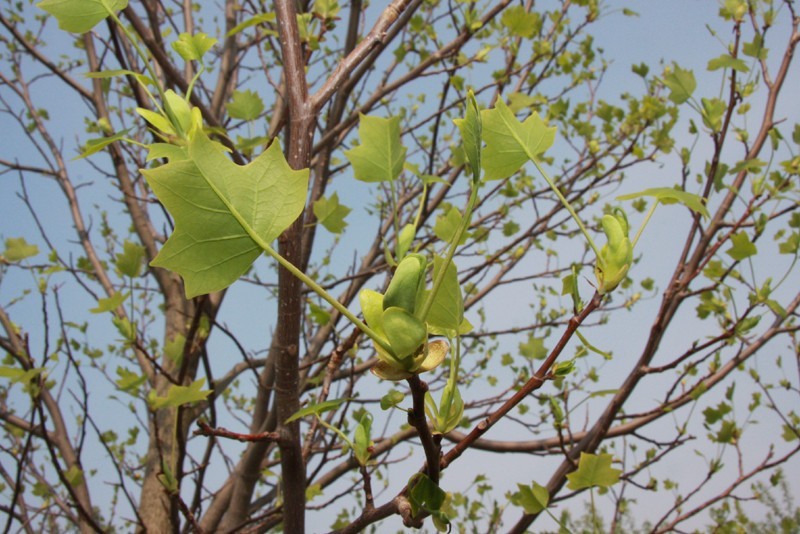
(180, 395)
(80, 16)
(193, 47)
(511, 143)
(727, 61)
(331, 214)
(111, 303)
(316, 409)
(593, 470)
(681, 84)
(669, 195)
(130, 261)
(447, 310)
(225, 214)
(245, 105)
(18, 249)
(94, 146)
(471, 129)
(380, 156)
(741, 247)
(533, 499)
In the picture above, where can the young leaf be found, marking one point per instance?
(593, 470)
(471, 129)
(193, 47)
(425, 494)
(129, 262)
(404, 331)
(533, 499)
(727, 61)
(316, 409)
(362, 441)
(447, 310)
(80, 16)
(380, 156)
(94, 146)
(331, 214)
(681, 84)
(741, 247)
(392, 399)
(180, 395)
(225, 215)
(17, 249)
(668, 195)
(510, 143)
(111, 303)
(245, 105)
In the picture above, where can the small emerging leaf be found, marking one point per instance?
(18, 249)
(193, 47)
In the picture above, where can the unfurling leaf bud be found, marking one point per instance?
(616, 256)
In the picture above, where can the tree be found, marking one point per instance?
(453, 208)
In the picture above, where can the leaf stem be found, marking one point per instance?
(566, 204)
(647, 217)
(327, 297)
(451, 250)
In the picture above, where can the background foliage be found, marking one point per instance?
(137, 397)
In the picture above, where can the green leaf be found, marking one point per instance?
(80, 16)
(669, 195)
(331, 214)
(447, 225)
(727, 61)
(380, 156)
(180, 395)
(129, 381)
(741, 247)
(407, 284)
(713, 110)
(405, 332)
(130, 261)
(593, 470)
(18, 375)
(790, 434)
(511, 143)
(520, 22)
(791, 245)
(245, 105)
(319, 315)
(471, 129)
(681, 84)
(392, 399)
(534, 348)
(225, 214)
(18, 249)
(94, 146)
(447, 310)
(157, 120)
(74, 476)
(362, 441)
(755, 48)
(260, 18)
(533, 499)
(167, 151)
(104, 74)
(111, 303)
(316, 409)
(425, 494)
(193, 47)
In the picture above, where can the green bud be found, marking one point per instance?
(617, 255)
(407, 283)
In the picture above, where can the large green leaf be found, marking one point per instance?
(380, 156)
(225, 214)
(511, 143)
(80, 16)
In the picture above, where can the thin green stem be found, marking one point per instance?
(647, 217)
(149, 67)
(327, 297)
(451, 251)
(567, 205)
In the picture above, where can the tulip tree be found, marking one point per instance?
(319, 265)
